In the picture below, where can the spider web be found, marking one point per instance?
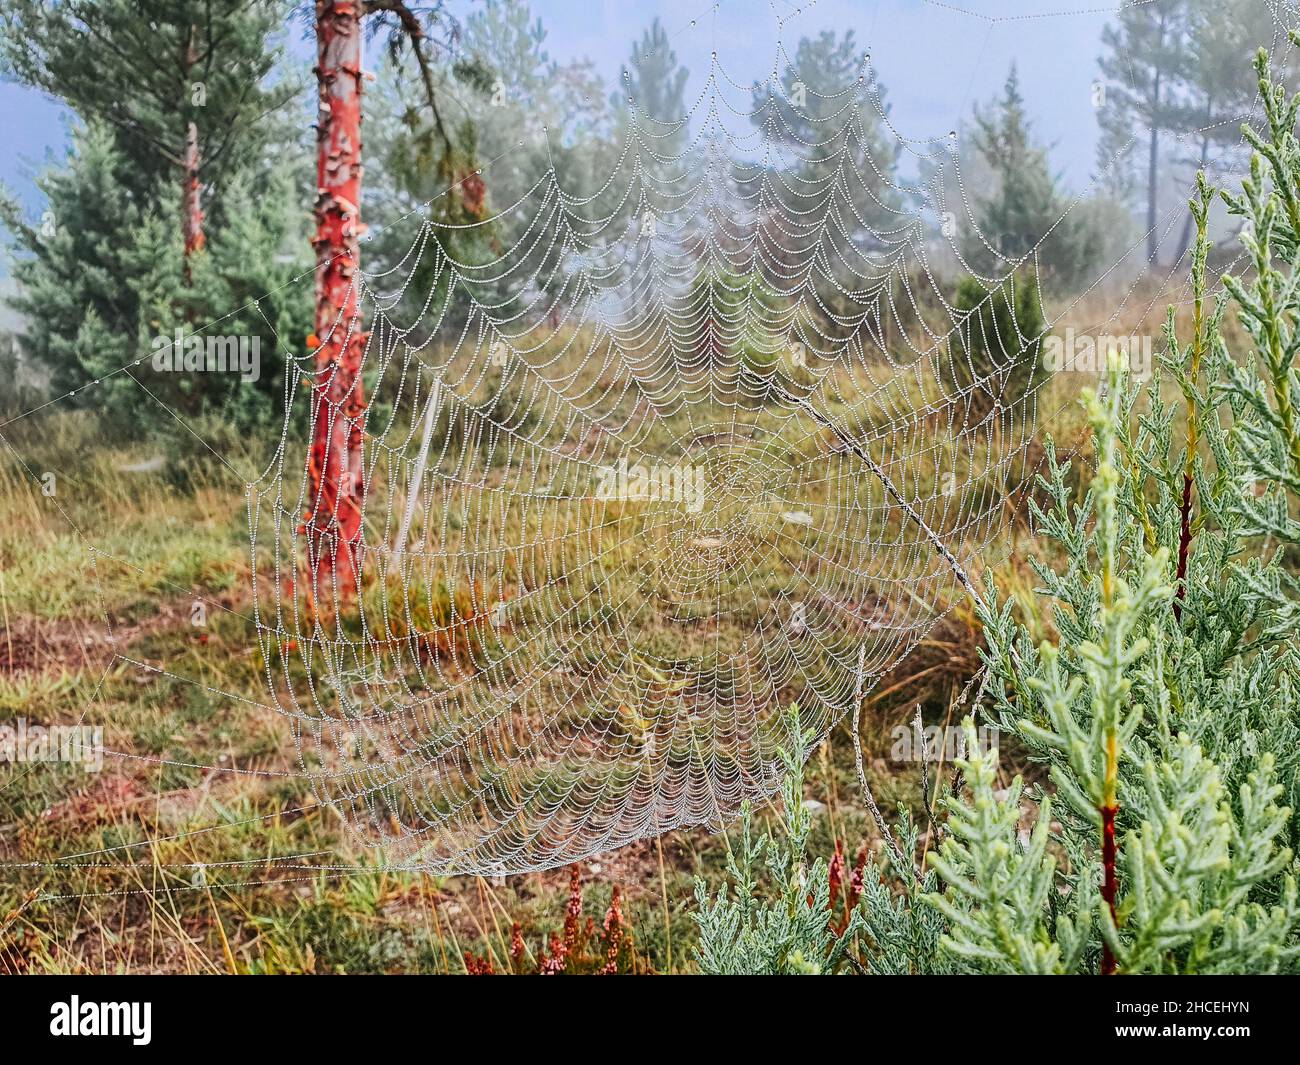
(681, 451)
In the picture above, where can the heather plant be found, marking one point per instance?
(579, 947)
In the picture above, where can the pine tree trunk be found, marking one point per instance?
(1185, 238)
(1153, 156)
(1152, 236)
(333, 523)
(191, 209)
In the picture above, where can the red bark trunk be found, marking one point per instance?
(333, 522)
(1109, 883)
(1184, 547)
(192, 210)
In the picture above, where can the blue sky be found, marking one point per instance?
(935, 59)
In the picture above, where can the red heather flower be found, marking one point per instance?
(476, 966)
(572, 913)
(835, 874)
(516, 946)
(613, 932)
(613, 923)
(554, 963)
(856, 881)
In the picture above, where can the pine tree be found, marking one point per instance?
(1026, 211)
(184, 85)
(832, 157)
(656, 81)
(521, 89)
(1145, 64)
(1220, 89)
(335, 457)
(120, 258)
(99, 285)
(994, 359)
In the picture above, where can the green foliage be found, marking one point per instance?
(1096, 669)
(1169, 696)
(1165, 704)
(490, 104)
(1211, 889)
(1026, 211)
(102, 275)
(105, 278)
(657, 82)
(147, 69)
(1173, 81)
(900, 932)
(1115, 711)
(854, 163)
(789, 932)
(523, 86)
(994, 356)
(1000, 891)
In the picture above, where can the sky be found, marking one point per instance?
(935, 60)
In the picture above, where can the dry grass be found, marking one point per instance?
(201, 848)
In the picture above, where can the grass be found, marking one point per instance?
(203, 847)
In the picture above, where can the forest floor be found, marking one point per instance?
(198, 845)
